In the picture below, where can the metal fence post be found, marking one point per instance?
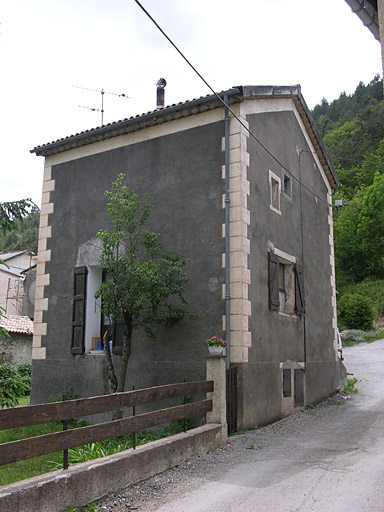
(134, 414)
(65, 427)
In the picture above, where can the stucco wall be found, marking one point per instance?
(182, 171)
(303, 232)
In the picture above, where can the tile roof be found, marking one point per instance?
(10, 270)
(9, 255)
(133, 123)
(187, 108)
(17, 324)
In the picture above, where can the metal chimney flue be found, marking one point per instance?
(160, 84)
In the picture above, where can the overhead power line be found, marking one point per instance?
(227, 106)
(361, 237)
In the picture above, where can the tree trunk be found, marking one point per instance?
(112, 379)
(124, 360)
(126, 351)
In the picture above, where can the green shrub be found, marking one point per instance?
(373, 289)
(25, 371)
(355, 312)
(12, 385)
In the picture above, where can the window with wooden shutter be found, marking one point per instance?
(273, 281)
(299, 290)
(78, 309)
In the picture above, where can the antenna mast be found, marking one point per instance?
(102, 92)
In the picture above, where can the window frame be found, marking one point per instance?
(274, 181)
(293, 286)
(285, 177)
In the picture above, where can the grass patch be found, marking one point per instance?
(350, 388)
(366, 339)
(32, 467)
(370, 339)
(24, 400)
(93, 507)
(241, 432)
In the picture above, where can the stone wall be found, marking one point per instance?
(17, 349)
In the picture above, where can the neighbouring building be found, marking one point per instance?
(282, 315)
(12, 276)
(17, 347)
(371, 13)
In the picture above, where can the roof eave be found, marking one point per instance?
(136, 123)
(294, 92)
(196, 106)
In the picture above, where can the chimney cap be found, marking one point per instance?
(161, 83)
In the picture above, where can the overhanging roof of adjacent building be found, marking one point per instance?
(17, 324)
(196, 106)
(367, 11)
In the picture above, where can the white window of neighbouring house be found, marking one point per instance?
(275, 191)
(286, 283)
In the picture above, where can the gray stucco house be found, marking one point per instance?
(282, 298)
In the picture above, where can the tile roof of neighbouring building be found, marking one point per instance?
(17, 324)
(9, 255)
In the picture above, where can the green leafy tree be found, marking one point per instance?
(359, 234)
(144, 284)
(11, 212)
(348, 255)
(24, 236)
(371, 226)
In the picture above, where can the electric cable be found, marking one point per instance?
(227, 106)
(250, 132)
(361, 237)
(361, 245)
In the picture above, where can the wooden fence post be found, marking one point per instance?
(216, 372)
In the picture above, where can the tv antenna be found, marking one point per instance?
(102, 92)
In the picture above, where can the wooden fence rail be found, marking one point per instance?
(63, 411)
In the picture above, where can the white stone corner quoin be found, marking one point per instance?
(43, 256)
(240, 219)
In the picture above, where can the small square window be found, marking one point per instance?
(287, 185)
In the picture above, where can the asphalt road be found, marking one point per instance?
(329, 459)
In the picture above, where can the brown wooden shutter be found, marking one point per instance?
(273, 281)
(78, 309)
(299, 290)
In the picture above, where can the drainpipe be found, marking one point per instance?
(302, 259)
(227, 245)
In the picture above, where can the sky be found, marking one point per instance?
(53, 51)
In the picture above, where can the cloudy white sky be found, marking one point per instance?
(49, 46)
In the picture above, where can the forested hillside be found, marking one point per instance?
(353, 132)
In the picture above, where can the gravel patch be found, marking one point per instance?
(149, 495)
